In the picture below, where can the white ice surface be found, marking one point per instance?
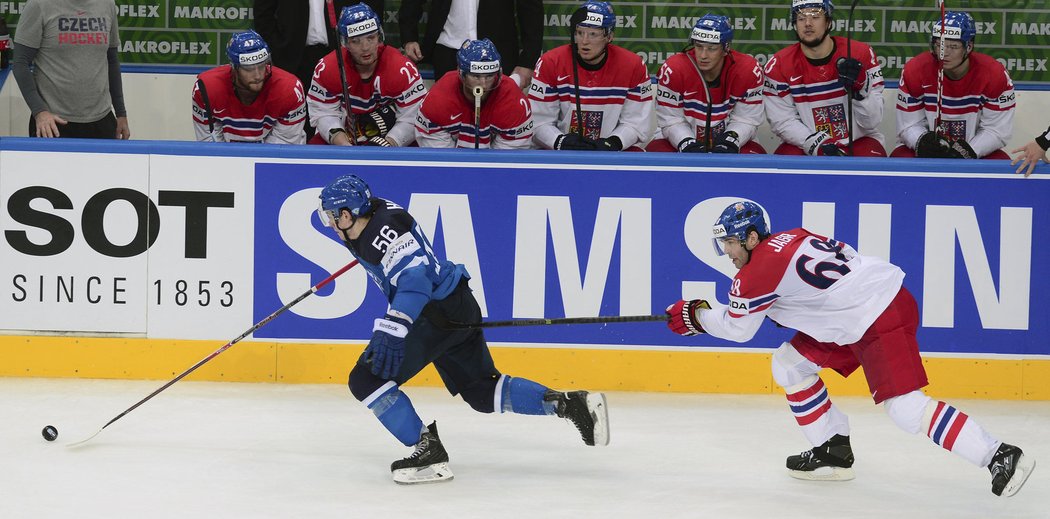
(230, 450)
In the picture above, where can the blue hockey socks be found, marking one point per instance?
(394, 410)
(523, 396)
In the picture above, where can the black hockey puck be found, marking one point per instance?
(49, 433)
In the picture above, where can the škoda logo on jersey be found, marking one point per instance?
(364, 27)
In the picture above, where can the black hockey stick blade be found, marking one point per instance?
(456, 325)
(224, 347)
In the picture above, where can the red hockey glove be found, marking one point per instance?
(682, 316)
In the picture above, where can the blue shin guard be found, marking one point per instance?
(523, 396)
(394, 410)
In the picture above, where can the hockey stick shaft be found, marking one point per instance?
(576, 92)
(456, 325)
(351, 122)
(225, 347)
(849, 88)
(937, 125)
(478, 92)
(707, 99)
(207, 108)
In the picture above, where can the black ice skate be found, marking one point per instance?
(428, 464)
(587, 411)
(1010, 468)
(832, 461)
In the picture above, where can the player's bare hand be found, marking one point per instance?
(123, 131)
(413, 51)
(1029, 156)
(523, 76)
(47, 124)
(340, 139)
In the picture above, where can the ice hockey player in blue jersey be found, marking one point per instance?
(424, 294)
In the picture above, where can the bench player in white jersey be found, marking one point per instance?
(449, 118)
(727, 103)
(807, 84)
(608, 84)
(849, 311)
(383, 86)
(249, 100)
(977, 98)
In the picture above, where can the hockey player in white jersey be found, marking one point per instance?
(591, 95)
(967, 113)
(807, 85)
(722, 115)
(849, 311)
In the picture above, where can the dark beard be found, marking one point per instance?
(818, 42)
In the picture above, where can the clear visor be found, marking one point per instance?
(720, 244)
(327, 216)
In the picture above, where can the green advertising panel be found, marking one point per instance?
(169, 47)
(235, 15)
(1016, 32)
(141, 14)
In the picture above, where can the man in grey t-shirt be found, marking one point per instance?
(75, 84)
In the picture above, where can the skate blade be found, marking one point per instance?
(598, 408)
(429, 474)
(1025, 466)
(824, 474)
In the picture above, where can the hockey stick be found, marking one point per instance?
(351, 121)
(456, 325)
(576, 90)
(707, 98)
(207, 108)
(478, 92)
(937, 124)
(849, 88)
(225, 347)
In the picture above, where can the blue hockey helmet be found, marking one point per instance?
(359, 20)
(737, 220)
(478, 57)
(247, 48)
(594, 14)
(798, 5)
(346, 192)
(712, 28)
(958, 25)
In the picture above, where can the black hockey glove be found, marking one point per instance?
(377, 122)
(832, 149)
(850, 75)
(726, 143)
(691, 145)
(378, 141)
(935, 146)
(610, 144)
(574, 142)
(963, 150)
